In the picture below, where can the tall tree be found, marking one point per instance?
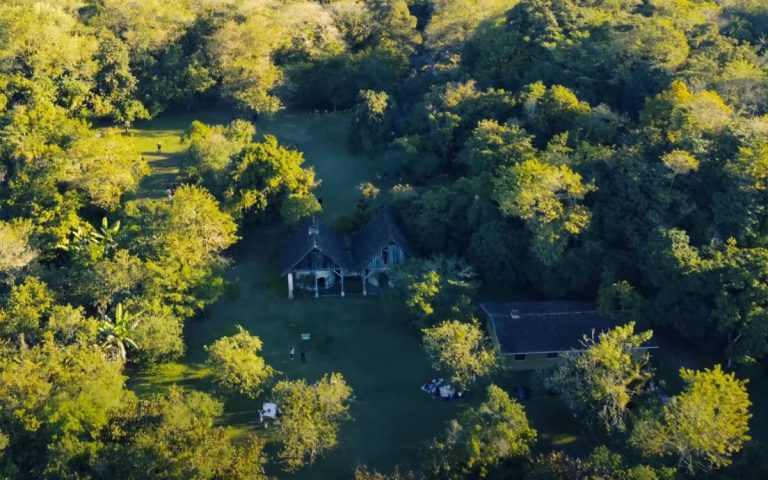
(546, 198)
(703, 426)
(106, 166)
(55, 401)
(436, 289)
(175, 436)
(605, 376)
(16, 252)
(311, 414)
(461, 348)
(237, 365)
(482, 438)
(267, 172)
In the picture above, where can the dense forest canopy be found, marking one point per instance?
(609, 149)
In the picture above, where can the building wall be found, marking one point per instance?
(390, 255)
(539, 361)
(533, 361)
(315, 261)
(306, 280)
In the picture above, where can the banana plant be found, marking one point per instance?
(117, 334)
(105, 236)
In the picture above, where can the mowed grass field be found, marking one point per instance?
(366, 340)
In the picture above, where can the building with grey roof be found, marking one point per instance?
(318, 254)
(534, 334)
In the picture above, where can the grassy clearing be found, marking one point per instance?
(363, 338)
(167, 131)
(322, 137)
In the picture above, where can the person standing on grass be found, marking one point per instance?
(293, 351)
(303, 356)
(159, 147)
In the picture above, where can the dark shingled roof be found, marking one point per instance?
(302, 242)
(545, 327)
(377, 234)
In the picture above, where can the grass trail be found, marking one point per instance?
(167, 131)
(323, 138)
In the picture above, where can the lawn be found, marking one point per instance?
(364, 338)
(361, 337)
(322, 137)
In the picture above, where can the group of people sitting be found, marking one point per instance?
(436, 388)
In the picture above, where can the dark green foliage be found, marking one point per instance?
(483, 438)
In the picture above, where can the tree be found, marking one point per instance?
(493, 146)
(311, 414)
(145, 34)
(371, 120)
(461, 348)
(55, 400)
(115, 84)
(25, 311)
(117, 334)
(70, 325)
(605, 376)
(545, 197)
(295, 208)
(483, 437)
(436, 289)
(679, 162)
(454, 22)
(16, 253)
(242, 50)
(106, 166)
(160, 331)
(175, 436)
(394, 28)
(744, 85)
(739, 279)
(552, 110)
(600, 464)
(363, 473)
(703, 426)
(108, 280)
(191, 229)
(212, 150)
(236, 363)
(268, 172)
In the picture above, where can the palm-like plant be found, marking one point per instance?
(105, 237)
(117, 333)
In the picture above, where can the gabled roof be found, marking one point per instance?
(313, 235)
(377, 234)
(546, 327)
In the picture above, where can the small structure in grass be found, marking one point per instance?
(316, 257)
(532, 335)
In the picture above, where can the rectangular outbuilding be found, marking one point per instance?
(532, 335)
